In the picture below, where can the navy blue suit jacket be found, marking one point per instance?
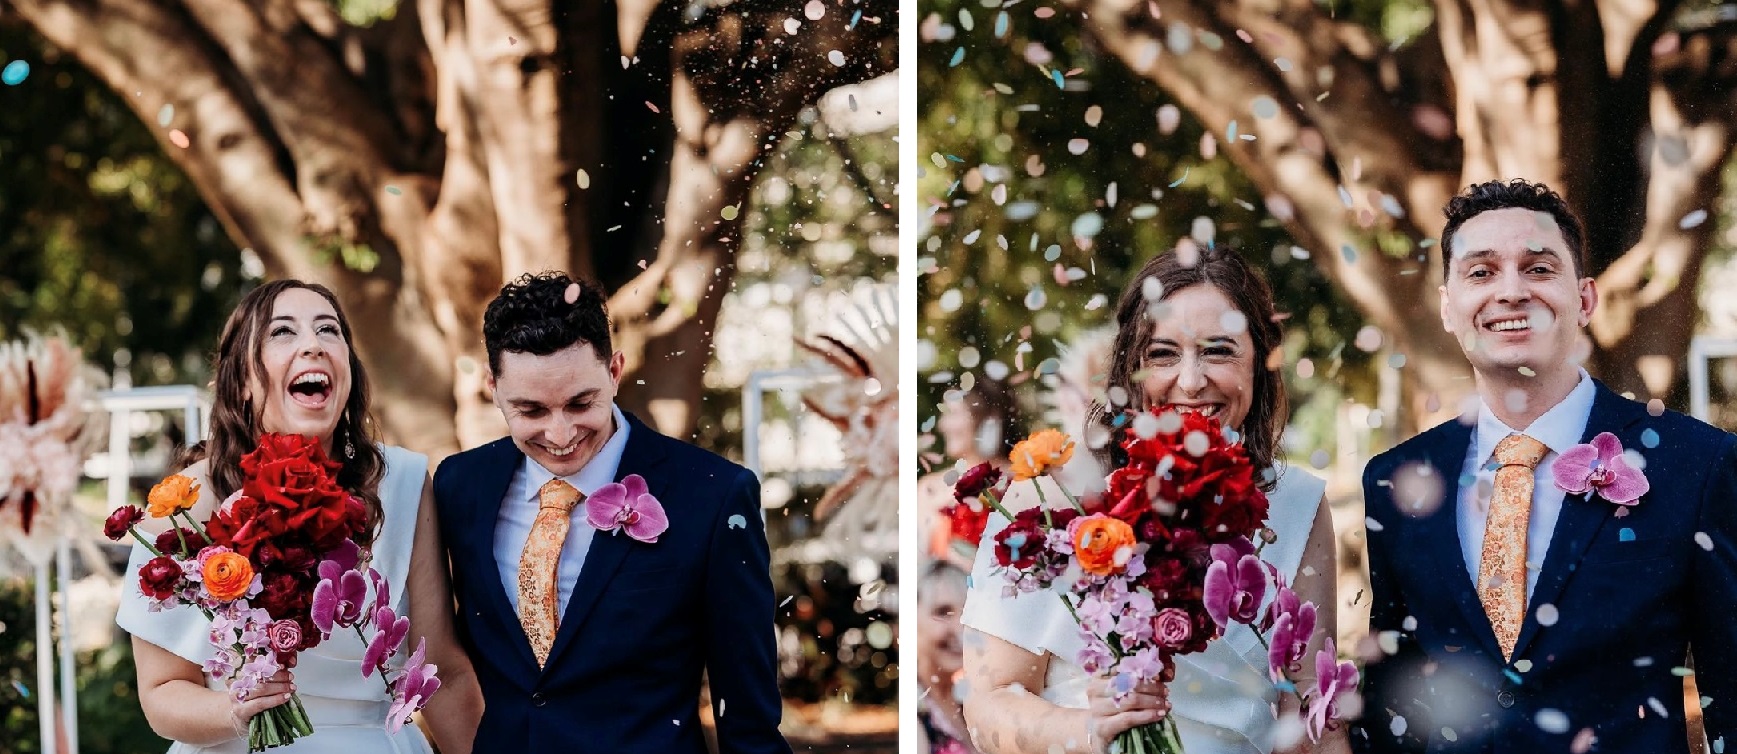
(644, 620)
(1630, 596)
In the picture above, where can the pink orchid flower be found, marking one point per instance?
(627, 506)
(1332, 679)
(1293, 624)
(389, 633)
(1599, 467)
(412, 689)
(1235, 585)
(337, 599)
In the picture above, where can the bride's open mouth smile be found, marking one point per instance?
(311, 389)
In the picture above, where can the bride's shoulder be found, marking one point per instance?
(404, 459)
(1298, 483)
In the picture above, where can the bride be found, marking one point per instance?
(280, 332)
(1202, 345)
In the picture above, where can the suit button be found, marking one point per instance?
(537, 699)
(1504, 698)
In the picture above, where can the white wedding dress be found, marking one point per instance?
(348, 711)
(1221, 699)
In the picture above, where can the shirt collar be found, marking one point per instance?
(1559, 429)
(598, 472)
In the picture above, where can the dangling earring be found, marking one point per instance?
(349, 445)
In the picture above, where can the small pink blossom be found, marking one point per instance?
(389, 633)
(412, 689)
(1599, 467)
(1332, 679)
(1293, 625)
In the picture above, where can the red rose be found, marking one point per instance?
(284, 595)
(121, 521)
(159, 576)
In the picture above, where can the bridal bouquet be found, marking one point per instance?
(1162, 564)
(276, 569)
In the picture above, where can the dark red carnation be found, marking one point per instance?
(170, 542)
(121, 521)
(1018, 545)
(975, 481)
(159, 576)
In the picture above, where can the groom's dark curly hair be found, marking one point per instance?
(1484, 197)
(532, 315)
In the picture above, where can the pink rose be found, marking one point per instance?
(285, 635)
(1173, 627)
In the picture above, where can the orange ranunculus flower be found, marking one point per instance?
(1097, 538)
(1038, 454)
(227, 575)
(176, 493)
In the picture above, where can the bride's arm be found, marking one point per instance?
(455, 710)
(1317, 581)
(180, 708)
(1006, 716)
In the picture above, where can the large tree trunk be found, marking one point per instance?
(416, 165)
(1632, 130)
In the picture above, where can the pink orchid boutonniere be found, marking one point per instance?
(1599, 467)
(628, 506)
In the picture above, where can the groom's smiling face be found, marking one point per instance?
(1513, 297)
(558, 407)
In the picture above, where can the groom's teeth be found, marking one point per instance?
(1512, 324)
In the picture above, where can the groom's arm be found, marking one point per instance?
(1712, 597)
(1386, 726)
(741, 646)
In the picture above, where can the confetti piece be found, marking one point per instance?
(1184, 177)
(22, 689)
(1649, 438)
(394, 190)
(1527, 371)
(1349, 253)
(1524, 666)
(166, 115)
(1264, 107)
(836, 58)
(1625, 535)
(1704, 541)
(1689, 220)
(1056, 75)
(1548, 615)
(1552, 721)
(15, 73)
(730, 212)
(1001, 25)
(814, 10)
(572, 294)
(179, 139)
(653, 107)
(738, 522)
(1169, 117)
(512, 40)
(958, 57)
(1230, 131)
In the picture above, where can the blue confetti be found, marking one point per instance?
(1626, 535)
(958, 57)
(1512, 676)
(1230, 132)
(1056, 74)
(1349, 253)
(15, 73)
(1184, 177)
(22, 689)
(1650, 437)
(854, 17)
(1467, 480)
(1001, 24)
(738, 522)
(953, 158)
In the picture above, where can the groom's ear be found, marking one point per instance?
(617, 364)
(1441, 298)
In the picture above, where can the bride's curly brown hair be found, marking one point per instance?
(235, 421)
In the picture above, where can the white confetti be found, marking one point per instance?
(836, 58)
(1692, 219)
(1548, 615)
(1552, 720)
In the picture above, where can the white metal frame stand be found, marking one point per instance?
(1703, 349)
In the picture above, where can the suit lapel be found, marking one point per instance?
(491, 484)
(642, 456)
(1438, 532)
(1581, 518)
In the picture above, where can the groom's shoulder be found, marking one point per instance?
(466, 460)
(1417, 447)
(689, 461)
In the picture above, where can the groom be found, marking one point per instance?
(591, 615)
(1517, 615)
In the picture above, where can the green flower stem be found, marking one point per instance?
(1043, 504)
(134, 530)
(989, 498)
(196, 526)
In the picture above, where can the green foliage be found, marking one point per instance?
(99, 232)
(110, 720)
(1044, 156)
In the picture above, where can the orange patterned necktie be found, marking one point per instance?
(1502, 572)
(538, 566)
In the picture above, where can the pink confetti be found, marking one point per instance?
(653, 108)
(179, 139)
(573, 293)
